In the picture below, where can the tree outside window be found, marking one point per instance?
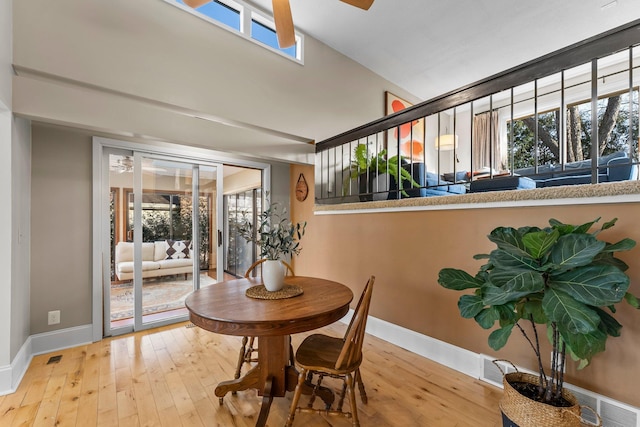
(169, 217)
(613, 132)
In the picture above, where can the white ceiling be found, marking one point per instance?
(431, 47)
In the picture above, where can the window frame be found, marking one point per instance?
(247, 14)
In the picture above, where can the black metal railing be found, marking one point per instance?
(509, 131)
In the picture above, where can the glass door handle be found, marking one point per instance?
(219, 238)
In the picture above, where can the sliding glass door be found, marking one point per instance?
(238, 253)
(164, 230)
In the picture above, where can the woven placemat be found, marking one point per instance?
(287, 291)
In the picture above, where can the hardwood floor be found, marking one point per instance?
(166, 377)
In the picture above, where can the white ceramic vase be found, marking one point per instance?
(273, 275)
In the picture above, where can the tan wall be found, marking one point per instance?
(405, 251)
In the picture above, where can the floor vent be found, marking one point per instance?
(189, 325)
(491, 373)
(54, 359)
(587, 400)
(616, 416)
(613, 413)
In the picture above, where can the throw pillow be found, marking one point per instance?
(177, 249)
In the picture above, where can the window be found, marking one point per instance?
(221, 12)
(526, 152)
(168, 216)
(245, 21)
(614, 114)
(238, 253)
(267, 35)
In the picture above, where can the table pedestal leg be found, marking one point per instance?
(250, 380)
(267, 398)
(272, 376)
(268, 376)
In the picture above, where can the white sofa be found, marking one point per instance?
(156, 259)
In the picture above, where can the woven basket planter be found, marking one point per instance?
(526, 412)
(520, 411)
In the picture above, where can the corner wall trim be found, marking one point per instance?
(11, 375)
(46, 342)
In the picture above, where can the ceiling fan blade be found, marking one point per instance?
(284, 23)
(195, 3)
(362, 4)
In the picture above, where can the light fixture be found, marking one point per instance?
(447, 142)
(122, 164)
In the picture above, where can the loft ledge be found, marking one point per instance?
(608, 189)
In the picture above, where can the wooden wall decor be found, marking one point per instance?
(302, 189)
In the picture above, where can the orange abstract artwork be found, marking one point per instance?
(411, 134)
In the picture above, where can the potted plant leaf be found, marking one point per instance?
(561, 278)
(366, 168)
(276, 236)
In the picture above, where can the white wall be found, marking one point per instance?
(20, 233)
(15, 145)
(139, 68)
(5, 230)
(6, 45)
(5, 179)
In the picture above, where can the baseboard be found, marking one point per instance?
(480, 366)
(11, 375)
(441, 352)
(46, 342)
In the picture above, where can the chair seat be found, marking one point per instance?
(324, 355)
(320, 352)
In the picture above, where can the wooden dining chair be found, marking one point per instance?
(332, 357)
(248, 348)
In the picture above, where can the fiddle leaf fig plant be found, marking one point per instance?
(561, 277)
(374, 165)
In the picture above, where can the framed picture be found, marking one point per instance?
(411, 134)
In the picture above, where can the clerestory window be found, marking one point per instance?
(266, 34)
(245, 21)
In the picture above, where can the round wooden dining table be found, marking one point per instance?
(225, 308)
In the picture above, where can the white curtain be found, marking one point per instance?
(488, 150)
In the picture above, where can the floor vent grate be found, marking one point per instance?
(54, 359)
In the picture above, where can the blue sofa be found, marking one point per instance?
(612, 167)
(502, 183)
(430, 184)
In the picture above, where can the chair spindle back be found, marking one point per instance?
(352, 349)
